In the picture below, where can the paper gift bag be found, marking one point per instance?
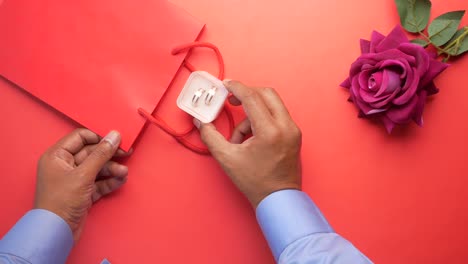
(97, 62)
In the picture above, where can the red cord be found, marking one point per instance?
(181, 136)
(163, 125)
(188, 46)
(189, 66)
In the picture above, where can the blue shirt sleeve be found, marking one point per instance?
(297, 232)
(39, 237)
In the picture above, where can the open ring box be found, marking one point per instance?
(197, 100)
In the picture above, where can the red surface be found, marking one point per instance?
(95, 61)
(399, 198)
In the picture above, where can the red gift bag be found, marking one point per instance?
(98, 62)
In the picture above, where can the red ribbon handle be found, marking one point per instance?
(181, 136)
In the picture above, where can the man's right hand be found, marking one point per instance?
(269, 160)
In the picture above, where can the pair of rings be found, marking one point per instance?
(208, 98)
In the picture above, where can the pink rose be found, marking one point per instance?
(392, 78)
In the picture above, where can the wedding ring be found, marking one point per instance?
(209, 96)
(197, 95)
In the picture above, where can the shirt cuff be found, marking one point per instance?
(288, 215)
(40, 236)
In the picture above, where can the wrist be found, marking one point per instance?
(256, 198)
(54, 209)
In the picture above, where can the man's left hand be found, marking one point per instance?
(76, 172)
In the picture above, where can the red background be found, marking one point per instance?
(399, 198)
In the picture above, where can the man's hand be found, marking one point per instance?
(76, 172)
(269, 160)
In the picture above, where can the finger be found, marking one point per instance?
(274, 103)
(234, 101)
(241, 131)
(113, 169)
(106, 187)
(76, 140)
(103, 152)
(84, 153)
(211, 137)
(254, 106)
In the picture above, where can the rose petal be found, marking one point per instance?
(366, 109)
(418, 112)
(370, 98)
(410, 88)
(431, 89)
(358, 101)
(394, 64)
(364, 79)
(365, 46)
(376, 38)
(389, 125)
(390, 82)
(367, 67)
(435, 68)
(375, 81)
(357, 66)
(387, 100)
(354, 90)
(385, 55)
(403, 114)
(346, 83)
(419, 53)
(408, 70)
(393, 40)
(409, 74)
(376, 111)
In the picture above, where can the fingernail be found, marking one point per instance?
(123, 169)
(113, 138)
(227, 82)
(197, 123)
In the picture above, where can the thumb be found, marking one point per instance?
(104, 151)
(214, 140)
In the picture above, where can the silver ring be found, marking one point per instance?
(197, 95)
(209, 96)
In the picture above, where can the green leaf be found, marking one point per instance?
(420, 42)
(414, 14)
(459, 43)
(442, 29)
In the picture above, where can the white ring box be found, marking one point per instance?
(202, 111)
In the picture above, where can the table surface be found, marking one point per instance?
(399, 198)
